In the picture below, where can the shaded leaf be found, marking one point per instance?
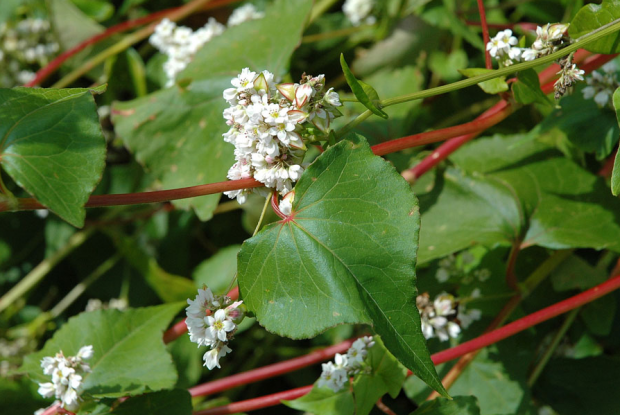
(364, 92)
(347, 256)
(217, 271)
(527, 89)
(461, 405)
(492, 86)
(129, 354)
(51, 145)
(177, 132)
(576, 273)
(615, 175)
(169, 402)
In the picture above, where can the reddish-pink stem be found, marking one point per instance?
(270, 371)
(608, 167)
(482, 341)
(485, 33)
(53, 66)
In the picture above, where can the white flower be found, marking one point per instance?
(219, 325)
(85, 352)
(358, 11)
(500, 44)
(528, 54)
(332, 98)
(357, 353)
(243, 14)
(286, 205)
(332, 377)
(212, 357)
(202, 302)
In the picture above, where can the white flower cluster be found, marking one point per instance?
(503, 47)
(269, 123)
(358, 11)
(440, 318)
(181, 43)
(97, 304)
(601, 86)
(336, 374)
(24, 48)
(212, 321)
(67, 374)
(450, 267)
(244, 14)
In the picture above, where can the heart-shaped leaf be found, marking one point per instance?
(347, 255)
(51, 144)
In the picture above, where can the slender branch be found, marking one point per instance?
(384, 408)
(43, 268)
(269, 371)
(126, 43)
(552, 347)
(449, 354)
(511, 276)
(485, 33)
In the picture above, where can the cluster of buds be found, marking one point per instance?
(181, 43)
(270, 124)
(443, 318)
(601, 85)
(24, 47)
(569, 75)
(549, 38)
(359, 11)
(212, 321)
(336, 374)
(67, 375)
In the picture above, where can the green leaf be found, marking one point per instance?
(587, 126)
(593, 16)
(169, 288)
(492, 86)
(527, 89)
(590, 383)
(347, 256)
(576, 273)
(364, 92)
(460, 405)
(129, 357)
(488, 215)
(218, 271)
(98, 10)
(177, 132)
(599, 315)
(387, 376)
(51, 145)
(170, 402)
(448, 66)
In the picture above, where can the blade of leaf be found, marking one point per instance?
(364, 92)
(615, 175)
(348, 256)
(493, 86)
(527, 89)
(129, 356)
(593, 16)
(51, 144)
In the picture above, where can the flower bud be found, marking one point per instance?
(287, 90)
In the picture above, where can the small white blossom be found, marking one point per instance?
(601, 85)
(335, 374)
(438, 317)
(359, 11)
(219, 325)
(67, 375)
(212, 357)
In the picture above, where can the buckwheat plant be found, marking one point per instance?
(337, 373)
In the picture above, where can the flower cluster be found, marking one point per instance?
(569, 75)
(181, 43)
(269, 125)
(212, 321)
(24, 47)
(336, 374)
(549, 38)
(97, 304)
(67, 374)
(601, 86)
(443, 318)
(359, 11)
(460, 269)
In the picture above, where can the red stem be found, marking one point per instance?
(269, 371)
(482, 341)
(50, 68)
(485, 33)
(608, 167)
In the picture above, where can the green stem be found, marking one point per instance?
(353, 124)
(125, 43)
(543, 271)
(43, 268)
(585, 39)
(81, 287)
(262, 214)
(554, 344)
